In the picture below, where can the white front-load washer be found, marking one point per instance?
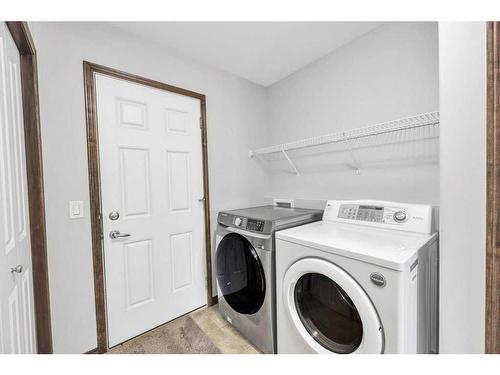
(362, 280)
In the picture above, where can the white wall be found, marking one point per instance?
(462, 70)
(236, 123)
(389, 73)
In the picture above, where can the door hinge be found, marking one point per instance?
(201, 123)
(101, 229)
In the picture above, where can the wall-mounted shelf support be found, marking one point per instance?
(290, 162)
(355, 163)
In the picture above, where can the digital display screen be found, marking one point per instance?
(371, 208)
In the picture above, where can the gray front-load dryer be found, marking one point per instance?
(245, 268)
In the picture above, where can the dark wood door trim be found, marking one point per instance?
(34, 169)
(492, 343)
(89, 71)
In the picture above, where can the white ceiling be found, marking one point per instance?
(262, 52)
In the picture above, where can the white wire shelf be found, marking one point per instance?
(353, 137)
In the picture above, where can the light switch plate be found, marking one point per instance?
(75, 209)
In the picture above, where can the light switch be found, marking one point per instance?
(75, 209)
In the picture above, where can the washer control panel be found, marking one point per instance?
(376, 214)
(407, 217)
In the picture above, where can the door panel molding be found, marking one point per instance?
(34, 170)
(89, 71)
(492, 327)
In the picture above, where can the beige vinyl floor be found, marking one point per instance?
(202, 331)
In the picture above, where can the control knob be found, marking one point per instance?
(237, 221)
(400, 216)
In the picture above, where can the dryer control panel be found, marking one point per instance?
(249, 224)
(244, 223)
(390, 215)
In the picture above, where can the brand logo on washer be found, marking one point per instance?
(378, 279)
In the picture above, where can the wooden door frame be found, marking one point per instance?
(34, 170)
(89, 72)
(492, 326)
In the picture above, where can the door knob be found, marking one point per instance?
(17, 269)
(114, 234)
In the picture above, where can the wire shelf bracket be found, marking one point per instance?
(294, 167)
(356, 166)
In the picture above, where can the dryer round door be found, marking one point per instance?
(330, 310)
(240, 275)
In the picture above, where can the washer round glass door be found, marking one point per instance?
(330, 310)
(240, 275)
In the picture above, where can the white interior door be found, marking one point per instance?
(152, 178)
(17, 327)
